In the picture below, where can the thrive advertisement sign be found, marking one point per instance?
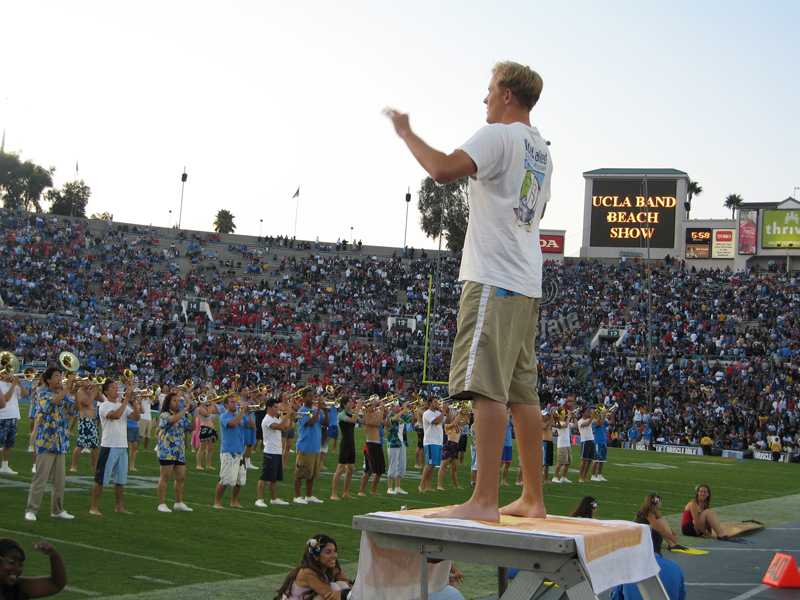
(780, 228)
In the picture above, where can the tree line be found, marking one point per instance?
(25, 185)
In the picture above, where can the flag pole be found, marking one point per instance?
(296, 210)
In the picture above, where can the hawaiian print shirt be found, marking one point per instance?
(172, 438)
(393, 435)
(52, 434)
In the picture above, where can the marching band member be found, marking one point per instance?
(88, 432)
(347, 448)
(232, 472)
(174, 422)
(374, 417)
(113, 458)
(55, 408)
(272, 463)
(208, 433)
(10, 392)
(398, 442)
(308, 443)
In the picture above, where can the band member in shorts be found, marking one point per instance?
(88, 432)
(232, 472)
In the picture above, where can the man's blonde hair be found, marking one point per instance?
(525, 83)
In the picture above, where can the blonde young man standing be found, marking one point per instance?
(494, 360)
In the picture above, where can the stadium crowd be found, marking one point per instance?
(722, 353)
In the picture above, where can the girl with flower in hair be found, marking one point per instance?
(319, 574)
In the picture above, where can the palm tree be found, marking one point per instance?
(694, 189)
(733, 201)
(223, 223)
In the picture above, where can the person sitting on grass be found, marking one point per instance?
(650, 514)
(13, 586)
(319, 574)
(698, 519)
(585, 509)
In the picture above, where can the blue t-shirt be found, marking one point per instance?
(309, 437)
(599, 431)
(507, 441)
(333, 415)
(670, 575)
(232, 437)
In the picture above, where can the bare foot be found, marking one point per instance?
(420, 489)
(519, 483)
(503, 483)
(73, 470)
(219, 506)
(471, 511)
(525, 508)
(547, 481)
(439, 489)
(200, 469)
(123, 511)
(375, 494)
(237, 505)
(579, 481)
(362, 494)
(94, 511)
(132, 469)
(334, 497)
(348, 496)
(458, 487)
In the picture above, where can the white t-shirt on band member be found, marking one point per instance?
(114, 431)
(11, 410)
(564, 436)
(272, 437)
(506, 198)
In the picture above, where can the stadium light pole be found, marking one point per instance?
(169, 220)
(408, 201)
(260, 223)
(183, 183)
(352, 241)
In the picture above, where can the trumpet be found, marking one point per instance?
(262, 406)
(187, 385)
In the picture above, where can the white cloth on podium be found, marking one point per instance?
(611, 552)
(386, 574)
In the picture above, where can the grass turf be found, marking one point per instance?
(238, 553)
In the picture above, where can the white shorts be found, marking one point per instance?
(232, 470)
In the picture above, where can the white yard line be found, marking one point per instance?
(69, 588)
(150, 558)
(153, 579)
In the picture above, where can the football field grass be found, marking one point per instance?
(246, 553)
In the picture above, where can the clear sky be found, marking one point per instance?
(257, 97)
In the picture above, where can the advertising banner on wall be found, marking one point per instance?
(780, 228)
(748, 223)
(622, 217)
(722, 243)
(552, 243)
(690, 450)
(698, 242)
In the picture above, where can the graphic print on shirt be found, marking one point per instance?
(535, 167)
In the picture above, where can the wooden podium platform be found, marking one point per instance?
(539, 556)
